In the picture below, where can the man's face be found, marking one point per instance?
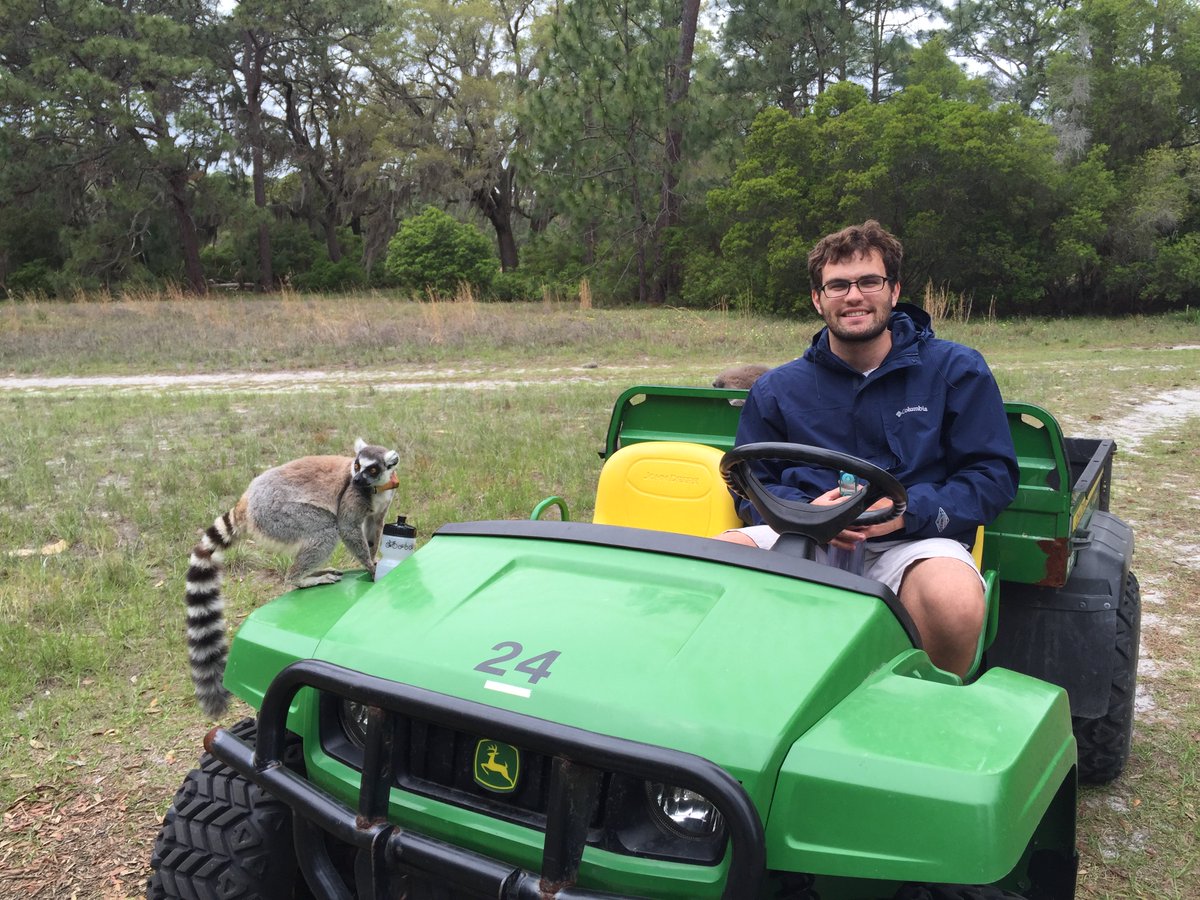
(856, 317)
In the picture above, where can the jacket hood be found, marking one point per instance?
(908, 323)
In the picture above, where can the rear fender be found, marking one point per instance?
(1066, 635)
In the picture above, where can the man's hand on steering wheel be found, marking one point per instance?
(849, 538)
(818, 523)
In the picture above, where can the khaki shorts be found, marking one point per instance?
(885, 561)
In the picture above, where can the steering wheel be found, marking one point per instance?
(798, 517)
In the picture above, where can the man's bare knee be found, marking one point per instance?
(736, 537)
(945, 599)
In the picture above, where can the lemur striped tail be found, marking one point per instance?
(206, 614)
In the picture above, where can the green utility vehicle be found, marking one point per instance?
(626, 708)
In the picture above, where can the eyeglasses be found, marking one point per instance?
(868, 284)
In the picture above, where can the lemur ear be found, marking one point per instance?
(359, 443)
(392, 459)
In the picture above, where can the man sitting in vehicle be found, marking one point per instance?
(877, 384)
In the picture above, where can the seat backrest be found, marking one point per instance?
(669, 413)
(665, 486)
(991, 607)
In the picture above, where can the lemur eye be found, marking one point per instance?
(374, 470)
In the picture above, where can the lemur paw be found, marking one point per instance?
(321, 576)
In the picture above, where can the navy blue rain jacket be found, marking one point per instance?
(931, 415)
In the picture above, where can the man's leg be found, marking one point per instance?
(944, 596)
(751, 536)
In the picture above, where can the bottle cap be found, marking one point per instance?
(847, 483)
(399, 527)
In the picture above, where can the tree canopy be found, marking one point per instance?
(1033, 156)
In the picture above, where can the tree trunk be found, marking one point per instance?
(642, 237)
(678, 79)
(312, 160)
(507, 244)
(497, 204)
(189, 241)
(877, 38)
(590, 240)
(252, 62)
(329, 223)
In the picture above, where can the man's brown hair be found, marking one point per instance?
(852, 242)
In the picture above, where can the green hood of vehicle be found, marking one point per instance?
(658, 638)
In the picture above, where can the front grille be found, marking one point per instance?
(438, 762)
(389, 854)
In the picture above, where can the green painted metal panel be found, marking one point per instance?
(287, 629)
(669, 413)
(664, 650)
(913, 779)
(1029, 541)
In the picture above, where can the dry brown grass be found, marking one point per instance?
(247, 332)
(944, 306)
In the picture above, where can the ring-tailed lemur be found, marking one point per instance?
(302, 507)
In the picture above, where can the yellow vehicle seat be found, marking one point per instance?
(665, 486)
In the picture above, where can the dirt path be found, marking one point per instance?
(1156, 413)
(290, 382)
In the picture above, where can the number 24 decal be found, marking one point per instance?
(536, 667)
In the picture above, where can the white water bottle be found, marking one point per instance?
(399, 541)
(850, 560)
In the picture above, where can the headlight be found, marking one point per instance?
(683, 812)
(354, 721)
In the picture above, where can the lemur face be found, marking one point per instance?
(373, 465)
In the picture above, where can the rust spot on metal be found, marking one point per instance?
(548, 890)
(1058, 554)
(366, 823)
(210, 737)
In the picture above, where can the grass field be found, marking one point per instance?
(128, 426)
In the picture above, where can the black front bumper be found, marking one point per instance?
(387, 854)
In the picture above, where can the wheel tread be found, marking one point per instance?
(224, 838)
(1104, 742)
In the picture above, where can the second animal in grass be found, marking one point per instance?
(739, 377)
(302, 507)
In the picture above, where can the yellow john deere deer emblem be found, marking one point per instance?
(497, 766)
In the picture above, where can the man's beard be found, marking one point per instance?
(857, 336)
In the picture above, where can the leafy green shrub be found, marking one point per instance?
(1175, 273)
(31, 278)
(223, 263)
(513, 286)
(294, 250)
(554, 262)
(434, 251)
(380, 277)
(327, 277)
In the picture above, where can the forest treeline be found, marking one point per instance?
(1035, 156)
